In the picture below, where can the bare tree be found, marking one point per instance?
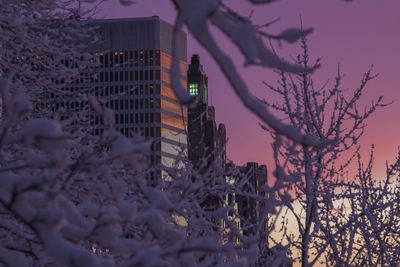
(76, 200)
(364, 230)
(324, 201)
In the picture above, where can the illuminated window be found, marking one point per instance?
(193, 89)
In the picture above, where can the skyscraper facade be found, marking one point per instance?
(133, 79)
(251, 210)
(206, 140)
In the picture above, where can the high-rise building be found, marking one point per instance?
(206, 141)
(133, 80)
(251, 210)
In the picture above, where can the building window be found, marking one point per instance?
(101, 60)
(130, 58)
(111, 59)
(106, 60)
(141, 58)
(116, 58)
(151, 55)
(193, 89)
(146, 58)
(157, 103)
(157, 57)
(157, 117)
(121, 57)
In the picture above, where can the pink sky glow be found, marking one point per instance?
(356, 35)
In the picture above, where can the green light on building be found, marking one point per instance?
(193, 89)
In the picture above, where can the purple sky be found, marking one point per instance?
(356, 35)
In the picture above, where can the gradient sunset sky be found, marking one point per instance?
(355, 34)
